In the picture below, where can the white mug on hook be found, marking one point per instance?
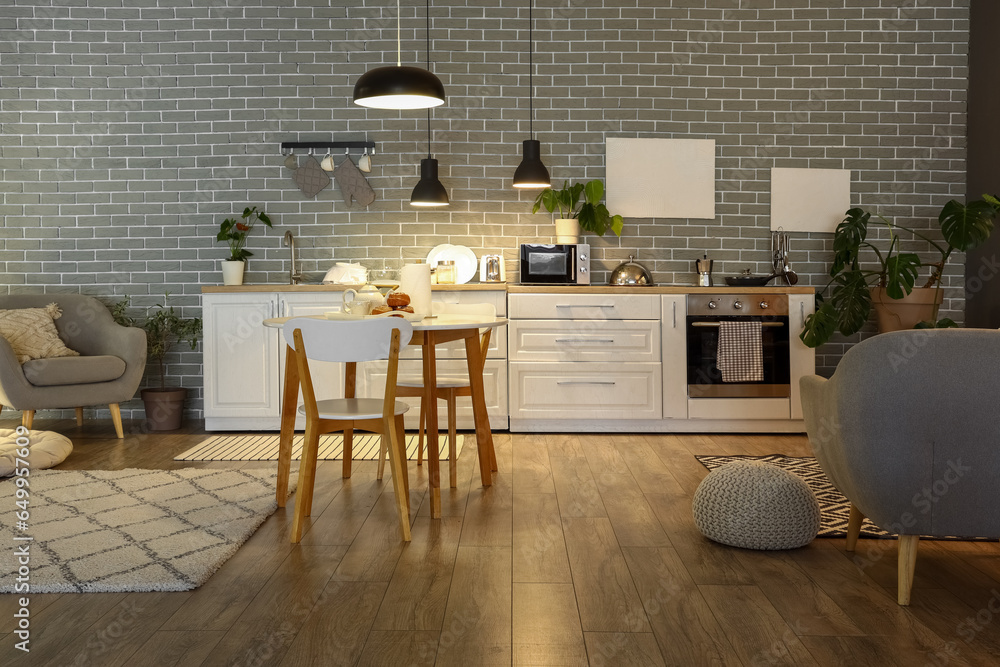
(327, 163)
(365, 162)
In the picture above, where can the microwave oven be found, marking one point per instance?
(561, 264)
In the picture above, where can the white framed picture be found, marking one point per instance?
(661, 178)
(809, 200)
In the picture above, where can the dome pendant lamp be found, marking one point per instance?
(429, 192)
(531, 173)
(399, 87)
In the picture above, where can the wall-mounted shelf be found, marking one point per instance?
(325, 146)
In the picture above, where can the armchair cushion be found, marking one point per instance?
(32, 333)
(79, 370)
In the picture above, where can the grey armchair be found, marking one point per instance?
(908, 428)
(108, 371)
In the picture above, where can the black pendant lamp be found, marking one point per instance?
(531, 173)
(429, 192)
(399, 87)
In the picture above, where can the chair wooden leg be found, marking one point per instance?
(79, 416)
(348, 451)
(420, 435)
(116, 417)
(854, 527)
(907, 563)
(397, 468)
(27, 418)
(452, 442)
(382, 447)
(307, 480)
(401, 430)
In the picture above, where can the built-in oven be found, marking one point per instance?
(706, 313)
(560, 264)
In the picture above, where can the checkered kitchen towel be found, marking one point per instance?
(739, 357)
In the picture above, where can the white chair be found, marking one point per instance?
(449, 386)
(350, 342)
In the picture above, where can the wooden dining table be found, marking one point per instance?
(428, 333)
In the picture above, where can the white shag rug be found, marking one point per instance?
(131, 530)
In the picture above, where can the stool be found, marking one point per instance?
(756, 505)
(45, 449)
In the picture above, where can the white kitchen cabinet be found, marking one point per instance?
(673, 355)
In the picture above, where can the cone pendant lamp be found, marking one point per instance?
(429, 192)
(399, 87)
(531, 173)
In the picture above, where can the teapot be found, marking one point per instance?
(361, 301)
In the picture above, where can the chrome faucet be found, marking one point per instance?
(289, 242)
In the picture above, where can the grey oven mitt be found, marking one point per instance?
(353, 183)
(310, 177)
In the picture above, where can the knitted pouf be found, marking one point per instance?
(756, 505)
(45, 449)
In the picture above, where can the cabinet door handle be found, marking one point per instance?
(675, 313)
(272, 310)
(282, 302)
(585, 305)
(585, 340)
(607, 382)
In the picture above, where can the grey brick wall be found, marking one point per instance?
(129, 133)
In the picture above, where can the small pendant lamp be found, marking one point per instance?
(531, 173)
(399, 87)
(429, 191)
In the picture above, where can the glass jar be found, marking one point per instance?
(445, 272)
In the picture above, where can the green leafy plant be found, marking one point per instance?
(963, 228)
(236, 230)
(592, 215)
(164, 327)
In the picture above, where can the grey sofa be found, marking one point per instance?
(908, 428)
(108, 371)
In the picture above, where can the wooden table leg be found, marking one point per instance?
(431, 424)
(289, 401)
(484, 436)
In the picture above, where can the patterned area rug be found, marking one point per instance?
(264, 447)
(835, 509)
(131, 530)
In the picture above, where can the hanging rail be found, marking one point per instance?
(292, 146)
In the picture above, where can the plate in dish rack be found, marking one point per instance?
(466, 264)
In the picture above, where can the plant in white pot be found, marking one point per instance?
(575, 215)
(235, 231)
(164, 327)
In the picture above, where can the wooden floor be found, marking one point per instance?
(582, 552)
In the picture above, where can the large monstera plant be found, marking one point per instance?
(859, 265)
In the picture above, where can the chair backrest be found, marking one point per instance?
(353, 340)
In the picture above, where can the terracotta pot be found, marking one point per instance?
(899, 314)
(232, 272)
(567, 230)
(164, 408)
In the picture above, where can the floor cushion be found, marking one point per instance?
(45, 449)
(756, 505)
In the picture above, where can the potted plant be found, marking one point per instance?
(164, 327)
(234, 231)
(886, 280)
(589, 214)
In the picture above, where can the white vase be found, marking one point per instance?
(567, 230)
(232, 272)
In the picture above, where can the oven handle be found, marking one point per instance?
(716, 324)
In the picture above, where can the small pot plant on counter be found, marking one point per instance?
(864, 276)
(164, 327)
(235, 231)
(589, 214)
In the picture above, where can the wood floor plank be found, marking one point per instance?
(418, 591)
(679, 460)
(806, 608)
(601, 451)
(754, 627)
(337, 519)
(266, 629)
(399, 647)
(477, 623)
(681, 620)
(564, 446)
(546, 625)
(338, 624)
(632, 518)
(373, 554)
(976, 639)
(531, 470)
(650, 472)
(604, 589)
(489, 517)
(871, 651)
(576, 488)
(9, 604)
(539, 546)
(176, 648)
(623, 648)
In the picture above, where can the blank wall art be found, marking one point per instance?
(809, 200)
(661, 178)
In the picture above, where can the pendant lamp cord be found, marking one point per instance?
(399, 41)
(531, 71)
(428, 31)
